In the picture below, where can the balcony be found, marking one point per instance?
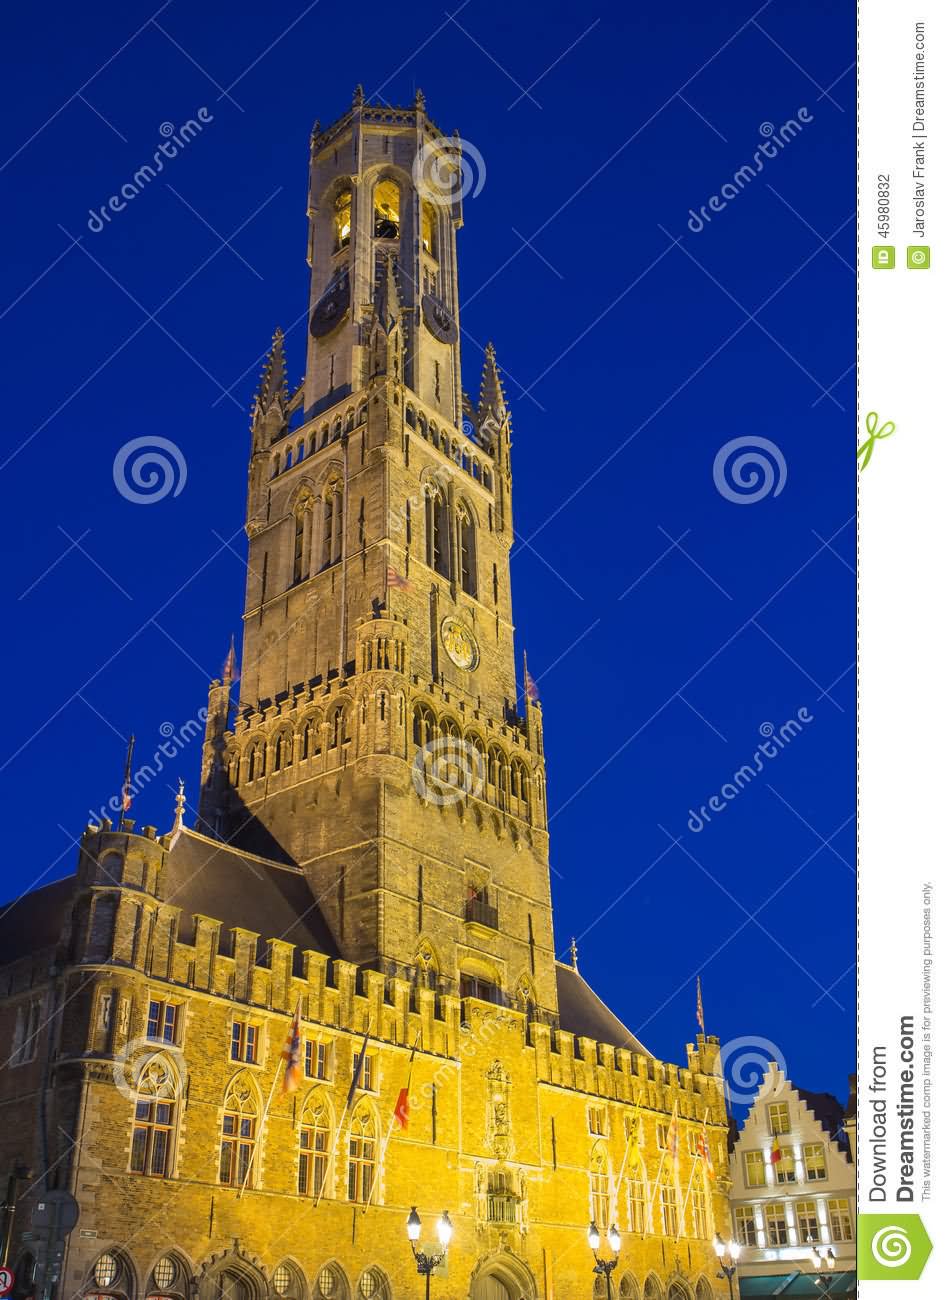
(479, 912)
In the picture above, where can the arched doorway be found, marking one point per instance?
(492, 1288)
(502, 1276)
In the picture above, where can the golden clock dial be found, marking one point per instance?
(459, 644)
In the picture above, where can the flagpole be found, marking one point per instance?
(259, 1134)
(126, 784)
(390, 1133)
(356, 1076)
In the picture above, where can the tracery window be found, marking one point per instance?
(152, 1137)
(343, 219)
(466, 541)
(387, 209)
(361, 1158)
(313, 1151)
(438, 533)
(238, 1133)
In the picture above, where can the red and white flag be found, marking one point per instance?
(532, 691)
(703, 1153)
(396, 581)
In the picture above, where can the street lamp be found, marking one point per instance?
(604, 1266)
(427, 1263)
(824, 1259)
(727, 1252)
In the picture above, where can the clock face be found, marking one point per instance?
(438, 319)
(459, 644)
(330, 309)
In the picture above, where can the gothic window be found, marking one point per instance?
(111, 1276)
(600, 1191)
(323, 436)
(422, 425)
(337, 428)
(167, 1276)
(636, 1203)
(474, 986)
(331, 526)
(487, 479)
(343, 220)
(300, 451)
(438, 533)
(338, 732)
(387, 209)
(26, 1033)
(330, 1285)
(238, 1133)
(424, 726)
(428, 228)
(313, 1151)
(628, 1288)
(275, 468)
(362, 1158)
(700, 1209)
(501, 1199)
(466, 540)
(155, 1115)
(497, 776)
(256, 761)
(669, 1211)
(282, 751)
(288, 458)
(426, 969)
(233, 768)
(300, 551)
(349, 420)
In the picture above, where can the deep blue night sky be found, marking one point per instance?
(629, 361)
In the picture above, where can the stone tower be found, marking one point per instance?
(379, 740)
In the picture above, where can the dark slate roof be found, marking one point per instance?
(241, 890)
(34, 922)
(582, 1012)
(829, 1113)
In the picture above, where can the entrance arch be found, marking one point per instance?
(502, 1276)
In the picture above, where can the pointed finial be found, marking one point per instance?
(573, 949)
(178, 807)
(274, 386)
(419, 101)
(359, 96)
(492, 398)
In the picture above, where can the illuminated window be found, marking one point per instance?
(776, 1225)
(343, 220)
(668, 1207)
(387, 209)
(785, 1167)
(361, 1159)
(815, 1169)
(106, 1270)
(600, 1191)
(316, 1060)
(328, 1286)
(637, 1205)
(839, 1216)
(313, 1152)
(282, 1279)
(744, 1224)
(754, 1164)
(596, 1120)
(700, 1211)
(501, 1199)
(806, 1220)
(778, 1118)
(165, 1272)
(428, 229)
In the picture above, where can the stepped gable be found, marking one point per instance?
(581, 1012)
(242, 891)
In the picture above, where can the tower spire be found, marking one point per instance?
(492, 397)
(274, 386)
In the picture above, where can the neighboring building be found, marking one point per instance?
(372, 847)
(793, 1186)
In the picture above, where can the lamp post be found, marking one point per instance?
(824, 1259)
(604, 1266)
(427, 1263)
(727, 1252)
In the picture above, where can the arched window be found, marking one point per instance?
(422, 425)
(652, 1288)
(372, 1285)
(703, 1290)
(628, 1289)
(168, 1279)
(410, 417)
(338, 732)
(669, 1216)
(362, 1158)
(677, 1291)
(238, 1133)
(112, 1276)
(426, 969)
(331, 526)
(256, 761)
(438, 533)
(300, 566)
(282, 751)
(466, 541)
(152, 1139)
(637, 1201)
(387, 209)
(343, 219)
(424, 725)
(701, 1223)
(428, 228)
(323, 435)
(600, 1191)
(330, 1284)
(362, 412)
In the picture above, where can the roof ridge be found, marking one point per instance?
(294, 868)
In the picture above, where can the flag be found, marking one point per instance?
(635, 1155)
(230, 669)
(126, 784)
(673, 1141)
(703, 1153)
(396, 581)
(699, 1006)
(292, 1052)
(775, 1154)
(532, 691)
(356, 1075)
(402, 1107)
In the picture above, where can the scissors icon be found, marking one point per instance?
(875, 433)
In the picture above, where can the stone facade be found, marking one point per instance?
(372, 852)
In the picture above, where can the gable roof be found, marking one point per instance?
(241, 890)
(582, 1012)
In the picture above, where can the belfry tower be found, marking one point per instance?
(379, 740)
